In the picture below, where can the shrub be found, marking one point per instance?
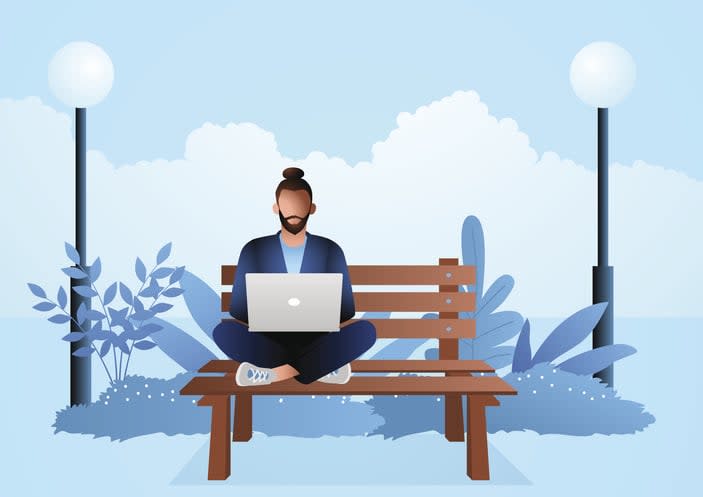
(140, 406)
(549, 400)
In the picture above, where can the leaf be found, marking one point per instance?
(75, 273)
(143, 315)
(182, 348)
(120, 342)
(142, 332)
(105, 348)
(72, 253)
(495, 295)
(95, 269)
(172, 292)
(202, 301)
(593, 361)
(94, 315)
(149, 291)
(117, 317)
(61, 297)
(59, 318)
(81, 313)
(473, 250)
(44, 306)
(138, 306)
(499, 356)
(399, 349)
(176, 275)
(144, 345)
(522, 357)
(126, 293)
(97, 333)
(83, 352)
(163, 254)
(161, 307)
(84, 291)
(110, 293)
(572, 331)
(74, 336)
(150, 328)
(496, 328)
(37, 290)
(140, 269)
(162, 272)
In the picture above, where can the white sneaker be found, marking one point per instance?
(248, 375)
(340, 376)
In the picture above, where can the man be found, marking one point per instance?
(267, 357)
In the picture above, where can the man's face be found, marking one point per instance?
(294, 209)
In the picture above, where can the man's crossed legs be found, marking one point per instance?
(277, 356)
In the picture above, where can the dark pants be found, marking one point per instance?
(312, 354)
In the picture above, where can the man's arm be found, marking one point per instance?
(238, 302)
(336, 263)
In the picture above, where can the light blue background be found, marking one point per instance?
(332, 76)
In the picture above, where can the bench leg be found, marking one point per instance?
(453, 418)
(477, 436)
(453, 414)
(219, 465)
(241, 431)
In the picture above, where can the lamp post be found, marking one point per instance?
(80, 75)
(602, 74)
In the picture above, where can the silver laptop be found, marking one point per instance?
(294, 302)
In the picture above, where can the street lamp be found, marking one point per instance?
(80, 75)
(602, 75)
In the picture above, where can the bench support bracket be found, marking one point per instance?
(219, 465)
(477, 437)
(242, 429)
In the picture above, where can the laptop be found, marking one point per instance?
(294, 302)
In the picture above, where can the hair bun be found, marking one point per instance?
(293, 173)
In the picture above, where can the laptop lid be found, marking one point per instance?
(294, 302)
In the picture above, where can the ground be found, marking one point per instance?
(660, 460)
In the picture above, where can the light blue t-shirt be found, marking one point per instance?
(293, 255)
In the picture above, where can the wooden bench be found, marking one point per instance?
(480, 391)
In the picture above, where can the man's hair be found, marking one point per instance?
(293, 181)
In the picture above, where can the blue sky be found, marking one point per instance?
(444, 110)
(333, 76)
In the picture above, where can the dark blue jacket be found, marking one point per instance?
(264, 255)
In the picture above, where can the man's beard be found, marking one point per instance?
(293, 228)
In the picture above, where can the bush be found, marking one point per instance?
(562, 408)
(141, 406)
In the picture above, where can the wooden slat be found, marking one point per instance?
(377, 365)
(357, 385)
(392, 275)
(419, 328)
(401, 301)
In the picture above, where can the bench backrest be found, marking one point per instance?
(448, 301)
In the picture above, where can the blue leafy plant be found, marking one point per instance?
(552, 398)
(493, 328)
(114, 328)
(572, 331)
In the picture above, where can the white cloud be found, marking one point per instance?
(443, 162)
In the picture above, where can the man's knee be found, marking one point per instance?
(225, 332)
(367, 331)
